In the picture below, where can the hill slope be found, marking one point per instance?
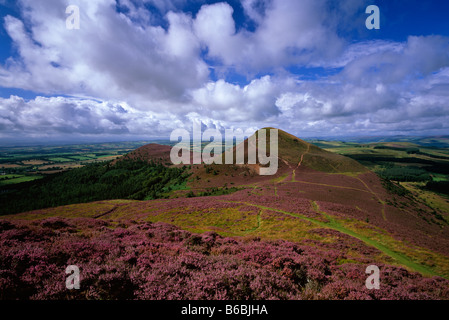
(154, 152)
(316, 199)
(299, 152)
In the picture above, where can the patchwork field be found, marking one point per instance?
(225, 232)
(32, 163)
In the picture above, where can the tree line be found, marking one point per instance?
(126, 179)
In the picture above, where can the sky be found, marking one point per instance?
(138, 69)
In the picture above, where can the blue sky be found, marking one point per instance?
(142, 68)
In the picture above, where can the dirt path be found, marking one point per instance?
(333, 186)
(375, 195)
(302, 156)
(299, 163)
(106, 213)
(335, 225)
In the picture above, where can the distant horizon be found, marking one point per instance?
(26, 141)
(355, 139)
(94, 70)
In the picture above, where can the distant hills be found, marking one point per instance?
(317, 198)
(292, 152)
(424, 141)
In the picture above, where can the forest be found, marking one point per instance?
(438, 186)
(401, 173)
(137, 180)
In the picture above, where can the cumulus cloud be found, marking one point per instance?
(395, 63)
(288, 32)
(342, 107)
(385, 89)
(109, 57)
(56, 116)
(253, 102)
(142, 67)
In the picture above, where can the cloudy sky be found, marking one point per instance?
(137, 69)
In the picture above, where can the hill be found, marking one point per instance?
(153, 152)
(292, 151)
(317, 200)
(298, 152)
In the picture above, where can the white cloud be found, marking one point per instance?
(108, 57)
(127, 75)
(359, 50)
(392, 63)
(232, 103)
(66, 116)
(256, 9)
(288, 33)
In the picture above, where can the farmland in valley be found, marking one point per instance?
(224, 231)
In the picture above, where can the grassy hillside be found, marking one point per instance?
(307, 232)
(297, 151)
(144, 260)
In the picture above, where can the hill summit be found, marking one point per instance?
(344, 215)
(293, 152)
(298, 152)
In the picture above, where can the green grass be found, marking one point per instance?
(399, 257)
(332, 223)
(11, 176)
(105, 155)
(81, 158)
(19, 179)
(176, 187)
(60, 159)
(439, 177)
(273, 223)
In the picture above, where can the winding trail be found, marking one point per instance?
(302, 156)
(106, 213)
(377, 196)
(299, 163)
(335, 186)
(335, 225)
